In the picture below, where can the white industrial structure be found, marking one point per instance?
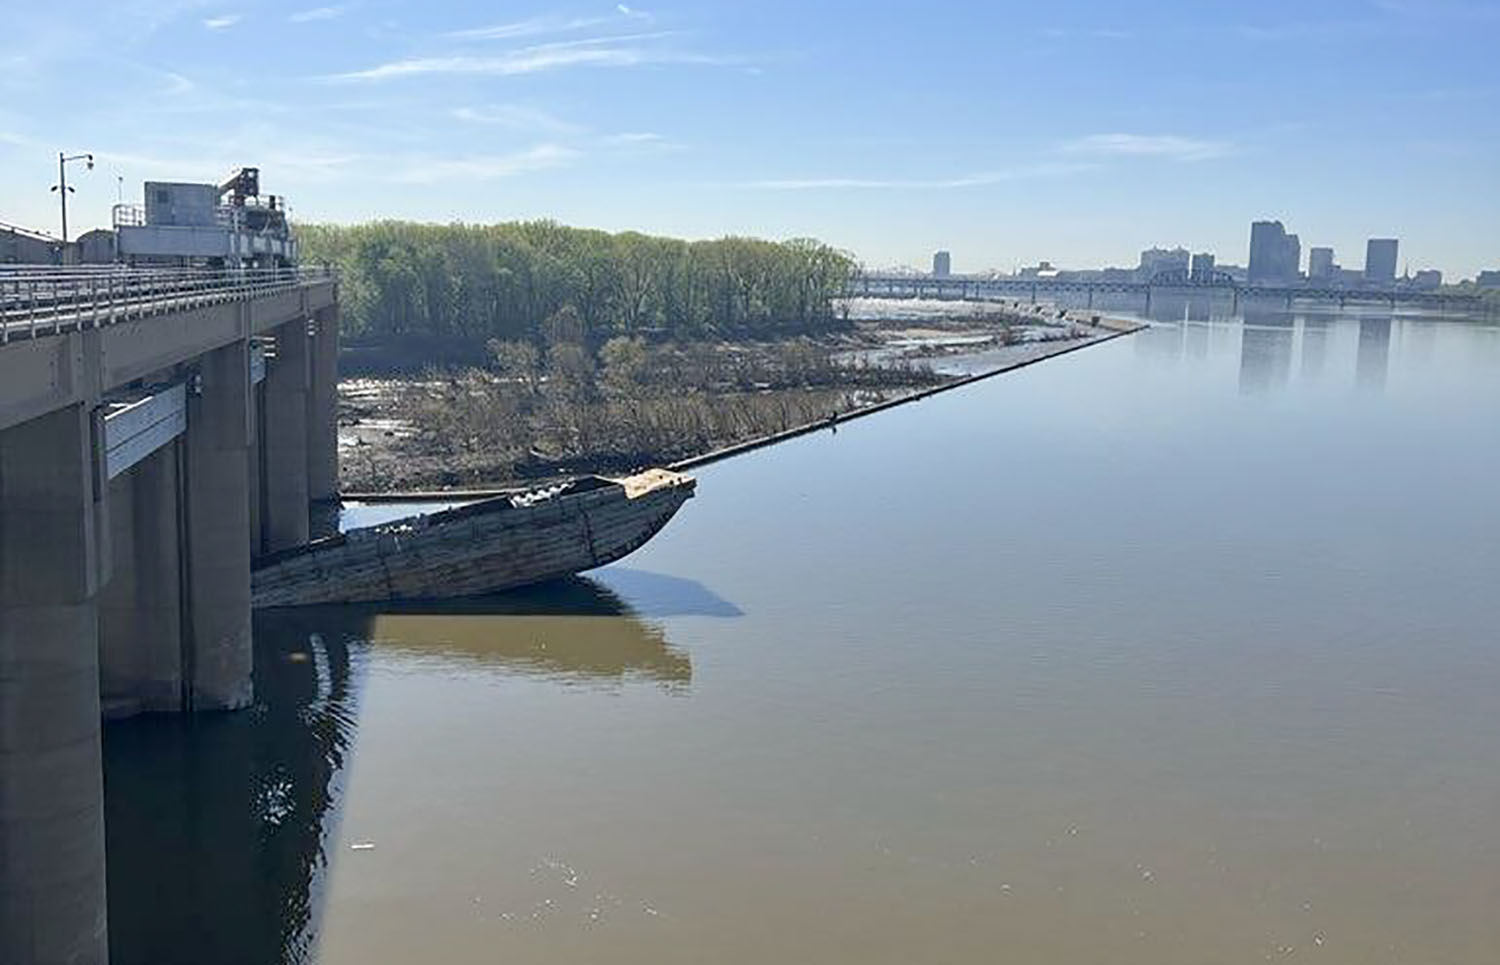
(229, 225)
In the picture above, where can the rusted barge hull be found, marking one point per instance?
(485, 547)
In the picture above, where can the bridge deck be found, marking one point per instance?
(37, 301)
(70, 335)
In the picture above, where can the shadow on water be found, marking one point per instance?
(218, 826)
(660, 595)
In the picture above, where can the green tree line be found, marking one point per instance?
(505, 281)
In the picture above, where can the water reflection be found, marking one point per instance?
(1315, 330)
(1373, 359)
(1265, 350)
(577, 631)
(218, 825)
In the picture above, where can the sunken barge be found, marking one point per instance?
(485, 547)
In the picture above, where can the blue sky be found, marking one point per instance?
(1078, 132)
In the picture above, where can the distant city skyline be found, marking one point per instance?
(1274, 256)
(999, 131)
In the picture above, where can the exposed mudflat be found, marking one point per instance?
(479, 428)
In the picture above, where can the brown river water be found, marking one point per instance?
(1178, 649)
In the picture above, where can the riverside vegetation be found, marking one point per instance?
(564, 408)
(567, 350)
(505, 281)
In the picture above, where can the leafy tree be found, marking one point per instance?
(506, 281)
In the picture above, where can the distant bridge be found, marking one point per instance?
(875, 285)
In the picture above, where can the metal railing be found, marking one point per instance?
(228, 216)
(38, 300)
(128, 215)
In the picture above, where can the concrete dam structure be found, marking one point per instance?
(161, 424)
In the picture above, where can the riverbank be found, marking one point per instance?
(394, 449)
(1037, 353)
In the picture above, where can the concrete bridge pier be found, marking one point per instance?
(323, 404)
(257, 470)
(140, 609)
(288, 381)
(52, 562)
(217, 657)
(125, 543)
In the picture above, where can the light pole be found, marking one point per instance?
(61, 187)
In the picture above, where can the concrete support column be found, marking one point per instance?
(218, 658)
(286, 465)
(52, 901)
(140, 609)
(257, 471)
(323, 409)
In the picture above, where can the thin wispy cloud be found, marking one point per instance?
(488, 166)
(635, 137)
(516, 117)
(534, 27)
(531, 60)
(980, 179)
(319, 13)
(541, 26)
(636, 143)
(178, 84)
(1170, 146)
(1097, 33)
(222, 22)
(1452, 10)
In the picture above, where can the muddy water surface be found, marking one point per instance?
(1178, 649)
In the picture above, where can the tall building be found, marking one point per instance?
(942, 265)
(1203, 267)
(1428, 279)
(1380, 260)
(1489, 278)
(1154, 261)
(1320, 263)
(1275, 256)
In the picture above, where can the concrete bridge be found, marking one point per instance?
(1006, 289)
(158, 429)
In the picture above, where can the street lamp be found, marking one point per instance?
(61, 187)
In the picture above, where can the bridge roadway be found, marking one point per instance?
(990, 289)
(158, 428)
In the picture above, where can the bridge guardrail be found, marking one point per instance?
(37, 301)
